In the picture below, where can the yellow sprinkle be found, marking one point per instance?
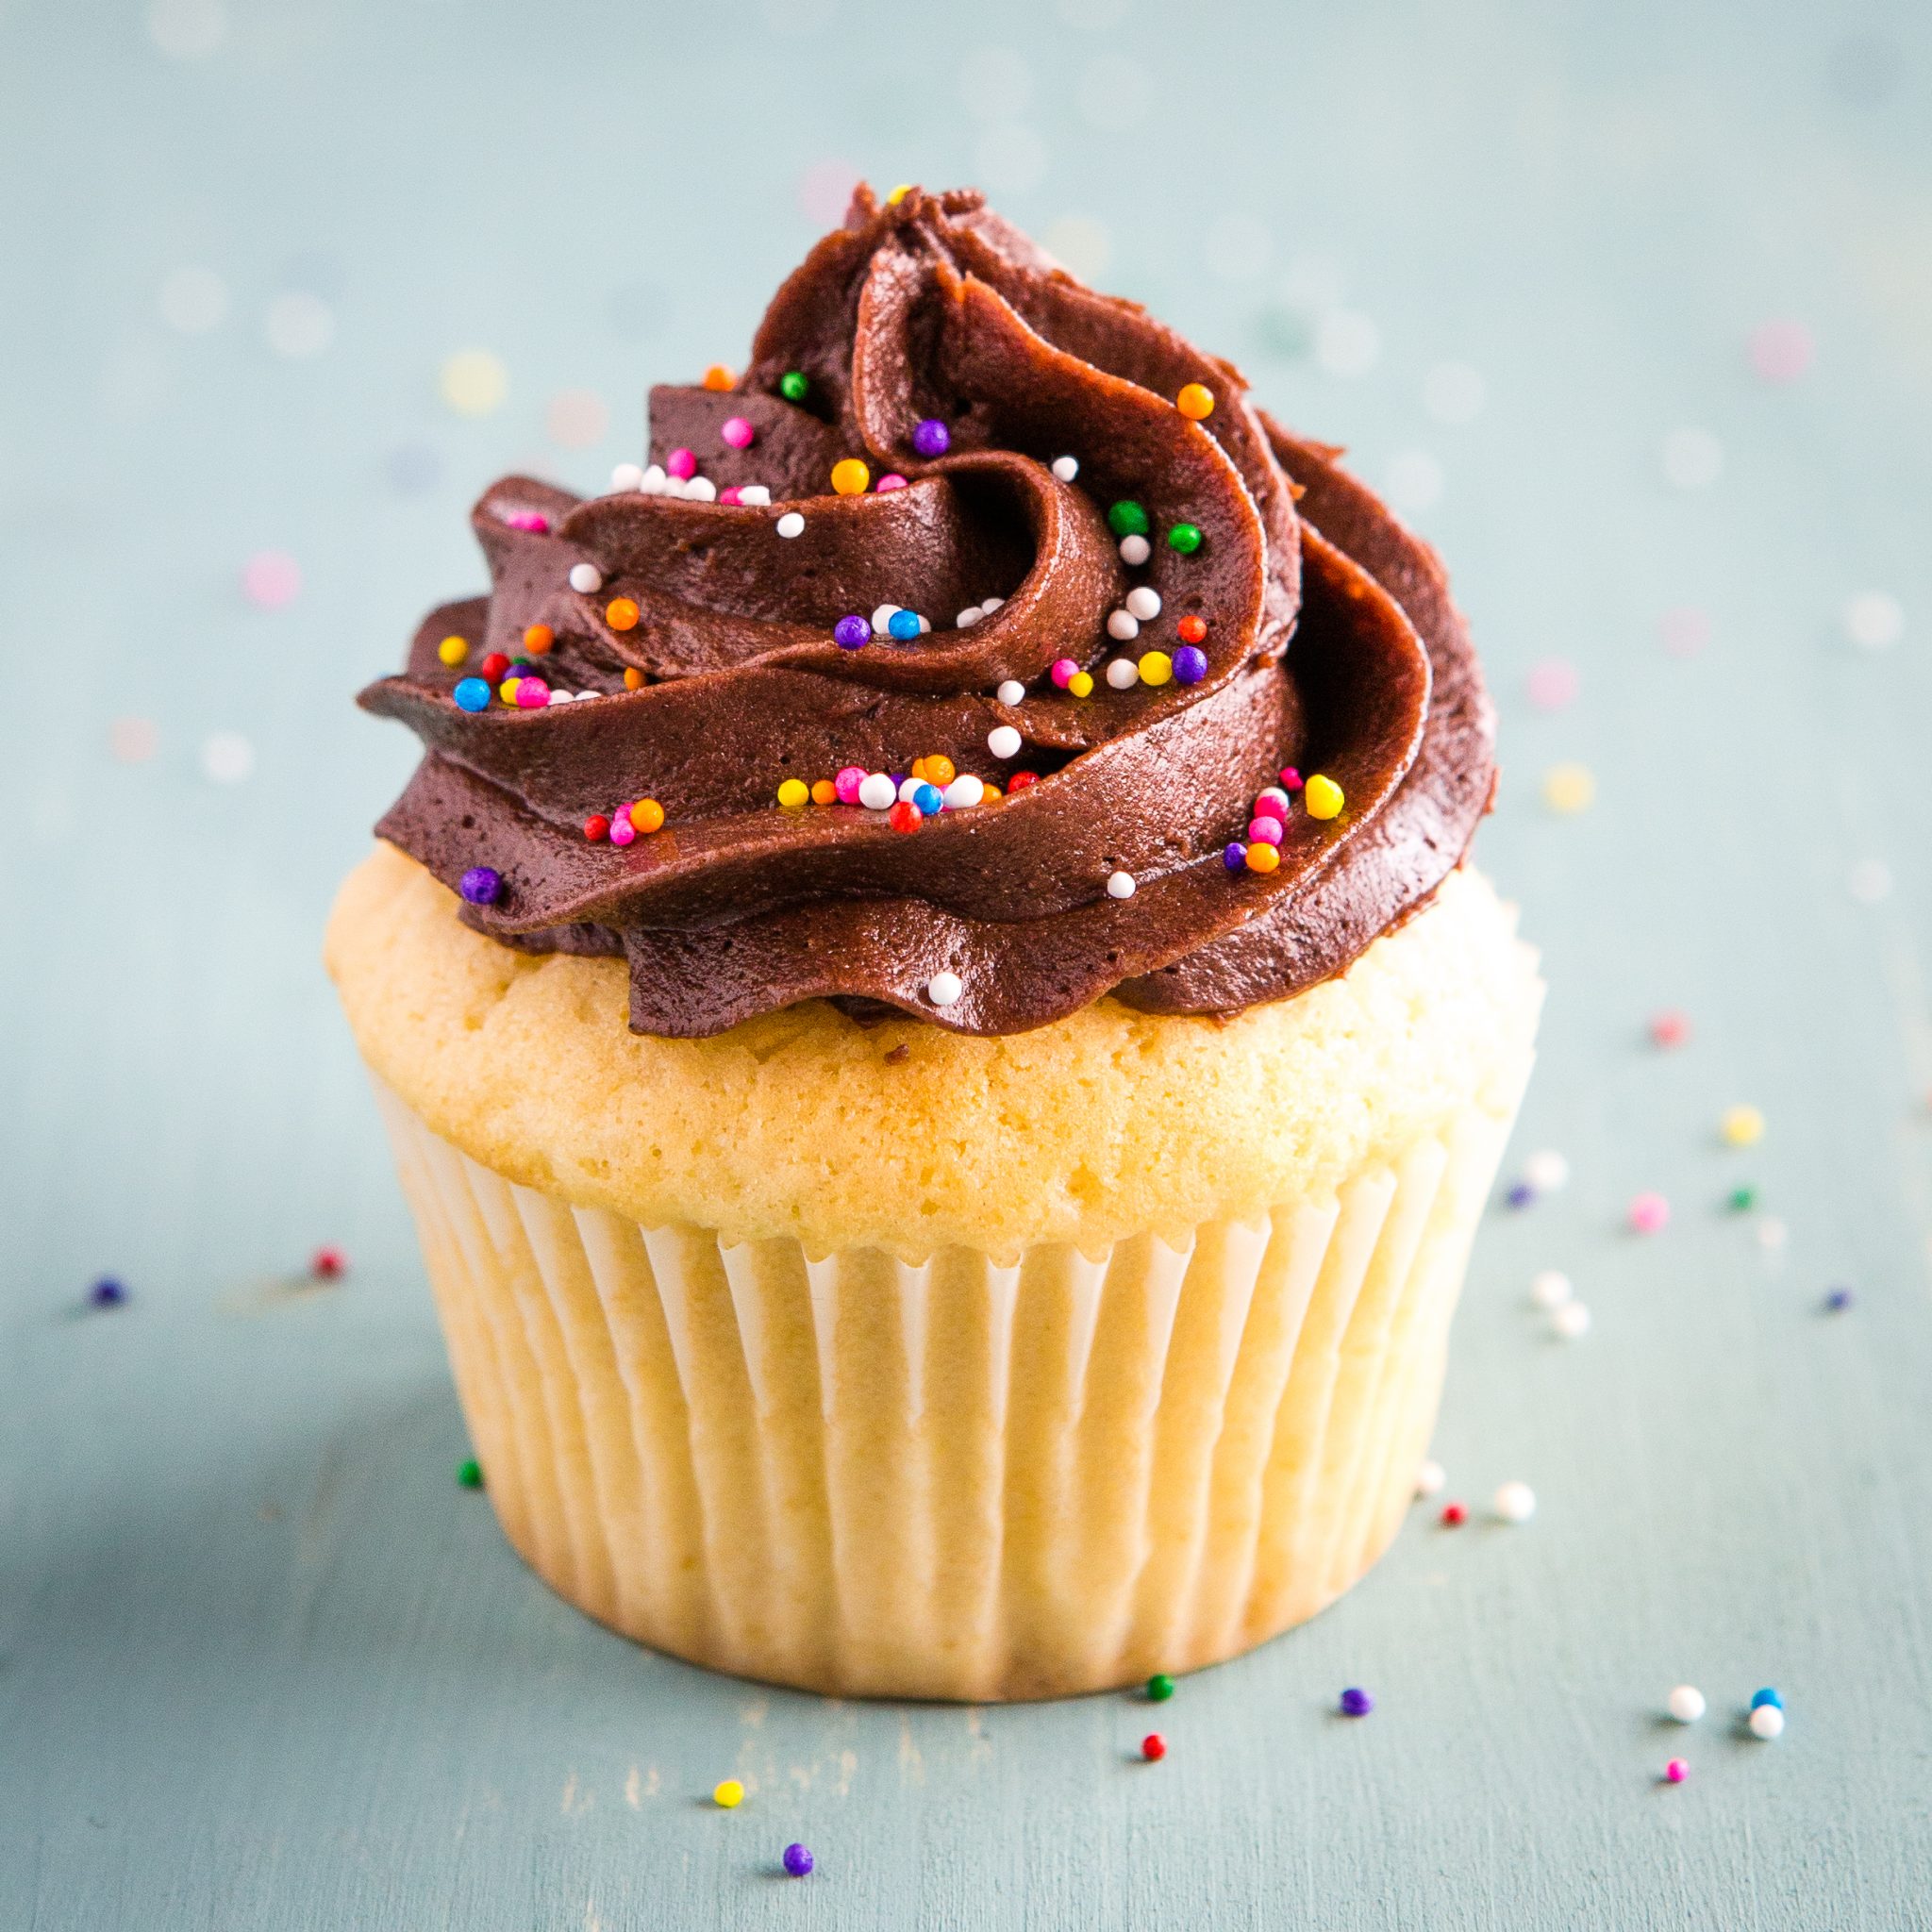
(727, 1795)
(1080, 684)
(474, 382)
(1195, 401)
(1157, 667)
(794, 793)
(646, 815)
(1322, 797)
(898, 195)
(849, 476)
(506, 690)
(824, 792)
(1569, 787)
(1742, 1126)
(453, 650)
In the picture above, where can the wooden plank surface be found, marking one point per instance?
(262, 1663)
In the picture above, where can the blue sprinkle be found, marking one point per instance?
(472, 694)
(927, 798)
(107, 1292)
(1521, 1195)
(904, 625)
(1767, 1695)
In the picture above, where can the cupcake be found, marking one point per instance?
(929, 1000)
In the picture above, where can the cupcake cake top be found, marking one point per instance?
(979, 651)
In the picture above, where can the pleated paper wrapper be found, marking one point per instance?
(966, 1479)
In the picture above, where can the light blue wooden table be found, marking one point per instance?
(262, 1663)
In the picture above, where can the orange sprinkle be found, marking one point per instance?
(1193, 629)
(849, 476)
(633, 678)
(538, 638)
(646, 815)
(1262, 857)
(824, 792)
(938, 768)
(718, 376)
(918, 769)
(622, 614)
(1195, 401)
(990, 793)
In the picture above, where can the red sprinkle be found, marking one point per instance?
(904, 817)
(1193, 629)
(1152, 1747)
(1454, 1513)
(1019, 780)
(492, 668)
(1290, 778)
(596, 826)
(329, 1264)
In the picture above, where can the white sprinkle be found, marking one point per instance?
(990, 605)
(1120, 885)
(1550, 1288)
(1547, 1172)
(584, 697)
(1135, 550)
(628, 476)
(1144, 601)
(1767, 1722)
(586, 578)
(1003, 741)
(653, 480)
(1686, 1704)
(756, 495)
(1010, 691)
(876, 791)
(1066, 468)
(675, 486)
(906, 788)
(968, 617)
(1875, 619)
(964, 790)
(1275, 796)
(1515, 1502)
(1431, 1478)
(882, 618)
(924, 626)
(791, 525)
(1772, 1233)
(1572, 1321)
(943, 988)
(1123, 674)
(701, 490)
(1123, 625)
(226, 758)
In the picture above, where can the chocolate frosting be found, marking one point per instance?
(1331, 645)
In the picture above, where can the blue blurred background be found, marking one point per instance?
(1628, 310)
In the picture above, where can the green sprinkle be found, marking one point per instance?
(470, 1473)
(1186, 538)
(1127, 519)
(1743, 1200)
(793, 385)
(1159, 1687)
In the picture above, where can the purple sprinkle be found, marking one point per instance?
(1190, 664)
(798, 1861)
(850, 633)
(932, 437)
(1235, 856)
(107, 1292)
(1521, 1195)
(1838, 1299)
(1357, 1702)
(482, 886)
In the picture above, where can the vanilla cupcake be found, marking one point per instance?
(934, 1022)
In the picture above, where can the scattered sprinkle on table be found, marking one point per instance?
(1686, 1704)
(1767, 1718)
(798, 1862)
(108, 1293)
(1569, 788)
(1676, 1771)
(1873, 620)
(1649, 1213)
(329, 1264)
(1152, 1747)
(1355, 1702)
(1670, 1028)
(470, 1473)
(1430, 1478)
(1547, 1171)
(1571, 1322)
(1551, 1288)
(1455, 1515)
(1838, 1299)
(727, 1795)
(1514, 1501)
(1159, 1687)
(1742, 1126)
(1741, 1200)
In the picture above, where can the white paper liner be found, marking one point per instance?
(961, 1479)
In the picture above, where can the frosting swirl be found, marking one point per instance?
(938, 345)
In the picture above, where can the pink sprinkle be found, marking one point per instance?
(1781, 351)
(1676, 1771)
(891, 480)
(1553, 684)
(532, 693)
(1290, 778)
(1266, 830)
(622, 830)
(1649, 1213)
(681, 463)
(271, 579)
(737, 432)
(1670, 1028)
(847, 781)
(1685, 630)
(731, 494)
(529, 520)
(1064, 670)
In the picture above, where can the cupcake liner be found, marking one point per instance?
(966, 1477)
